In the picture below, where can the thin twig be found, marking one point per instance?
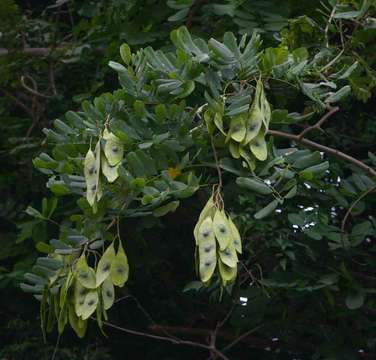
(317, 126)
(33, 90)
(348, 212)
(17, 101)
(167, 339)
(240, 338)
(325, 149)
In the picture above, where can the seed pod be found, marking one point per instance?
(207, 249)
(104, 265)
(108, 293)
(85, 274)
(254, 123)
(229, 256)
(119, 269)
(228, 274)
(78, 325)
(236, 239)
(208, 210)
(113, 148)
(79, 297)
(110, 172)
(238, 128)
(90, 304)
(259, 148)
(222, 229)
(234, 149)
(90, 176)
(247, 156)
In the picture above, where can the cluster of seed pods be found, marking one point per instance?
(246, 135)
(108, 162)
(217, 244)
(94, 288)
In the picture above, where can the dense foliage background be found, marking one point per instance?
(306, 283)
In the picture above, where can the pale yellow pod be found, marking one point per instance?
(120, 268)
(254, 123)
(85, 274)
(90, 172)
(222, 229)
(238, 128)
(206, 249)
(208, 210)
(236, 239)
(104, 264)
(227, 274)
(229, 256)
(90, 304)
(113, 148)
(258, 147)
(108, 293)
(110, 172)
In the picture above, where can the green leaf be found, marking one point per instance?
(355, 299)
(163, 210)
(254, 185)
(266, 210)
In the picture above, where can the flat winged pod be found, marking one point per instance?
(108, 293)
(78, 325)
(228, 256)
(236, 239)
(234, 149)
(206, 249)
(228, 274)
(90, 304)
(238, 128)
(110, 172)
(254, 123)
(222, 229)
(90, 171)
(113, 148)
(85, 274)
(79, 297)
(104, 265)
(259, 148)
(208, 210)
(120, 268)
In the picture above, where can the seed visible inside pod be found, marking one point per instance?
(206, 234)
(94, 187)
(106, 266)
(222, 229)
(256, 143)
(109, 293)
(91, 302)
(115, 149)
(207, 263)
(252, 127)
(92, 170)
(83, 274)
(208, 248)
(227, 252)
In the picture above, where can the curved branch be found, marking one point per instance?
(325, 149)
(331, 112)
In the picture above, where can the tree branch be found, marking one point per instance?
(174, 341)
(32, 51)
(317, 126)
(325, 149)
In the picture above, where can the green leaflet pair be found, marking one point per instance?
(217, 244)
(108, 162)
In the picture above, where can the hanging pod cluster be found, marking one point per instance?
(106, 158)
(246, 136)
(94, 289)
(217, 244)
(245, 132)
(71, 291)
